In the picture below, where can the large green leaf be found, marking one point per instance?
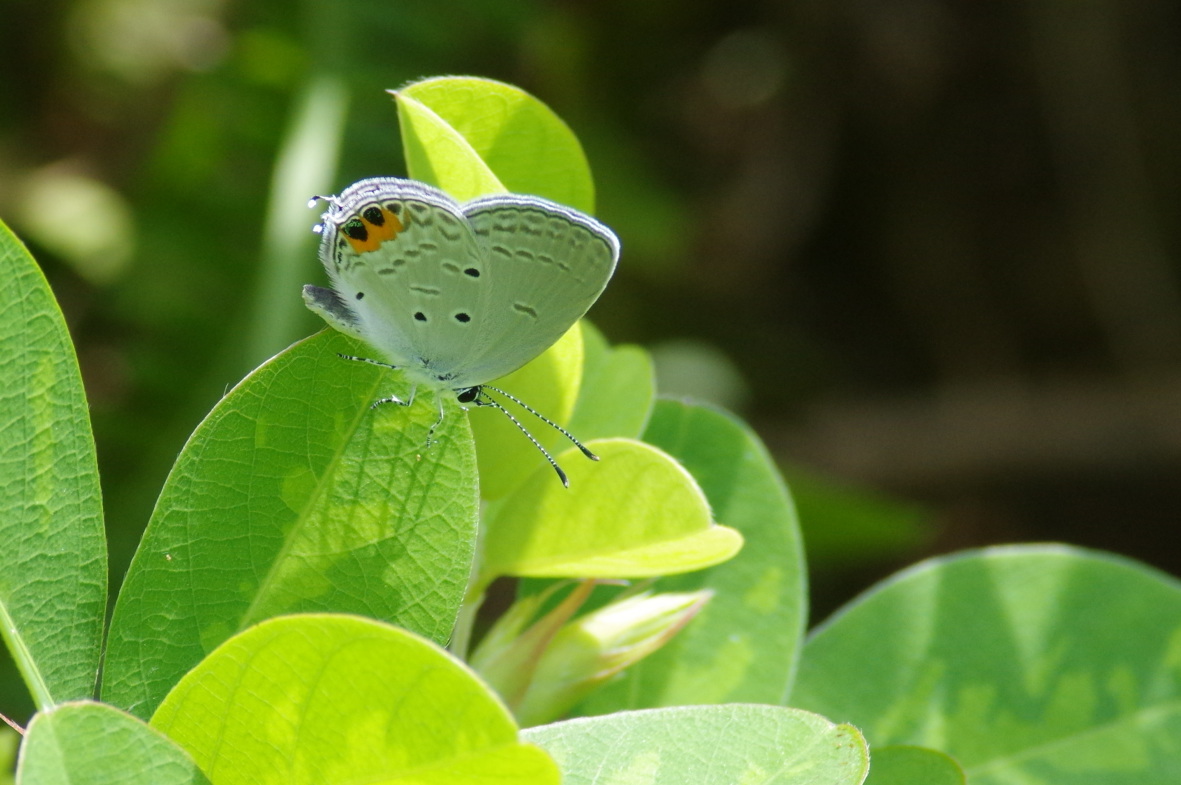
(634, 513)
(96, 744)
(744, 645)
(53, 562)
(329, 699)
(705, 745)
(1039, 664)
(472, 136)
(294, 495)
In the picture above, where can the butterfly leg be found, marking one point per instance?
(430, 435)
(380, 364)
(395, 399)
(366, 360)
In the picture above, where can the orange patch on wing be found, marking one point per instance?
(376, 234)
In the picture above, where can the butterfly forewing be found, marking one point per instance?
(546, 265)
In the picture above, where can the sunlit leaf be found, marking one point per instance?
(705, 745)
(472, 136)
(1039, 664)
(294, 495)
(96, 744)
(634, 513)
(53, 562)
(321, 698)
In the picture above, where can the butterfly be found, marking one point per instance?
(457, 295)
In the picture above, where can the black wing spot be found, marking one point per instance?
(472, 272)
(420, 316)
(463, 318)
(373, 215)
(356, 230)
(360, 295)
(525, 309)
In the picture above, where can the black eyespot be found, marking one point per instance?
(360, 295)
(394, 207)
(356, 230)
(463, 318)
(373, 215)
(420, 316)
(472, 271)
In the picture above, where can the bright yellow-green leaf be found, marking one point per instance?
(548, 384)
(618, 387)
(634, 513)
(438, 154)
(449, 123)
(329, 699)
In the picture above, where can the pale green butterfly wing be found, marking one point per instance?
(408, 276)
(457, 295)
(546, 265)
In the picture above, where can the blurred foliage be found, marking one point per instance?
(844, 199)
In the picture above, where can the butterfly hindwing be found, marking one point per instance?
(547, 264)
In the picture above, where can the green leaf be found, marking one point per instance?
(634, 513)
(1039, 664)
(549, 385)
(473, 136)
(294, 495)
(745, 643)
(437, 153)
(53, 563)
(618, 388)
(310, 699)
(705, 745)
(95, 744)
(906, 765)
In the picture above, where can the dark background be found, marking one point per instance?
(929, 250)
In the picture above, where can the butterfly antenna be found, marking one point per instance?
(545, 420)
(486, 401)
